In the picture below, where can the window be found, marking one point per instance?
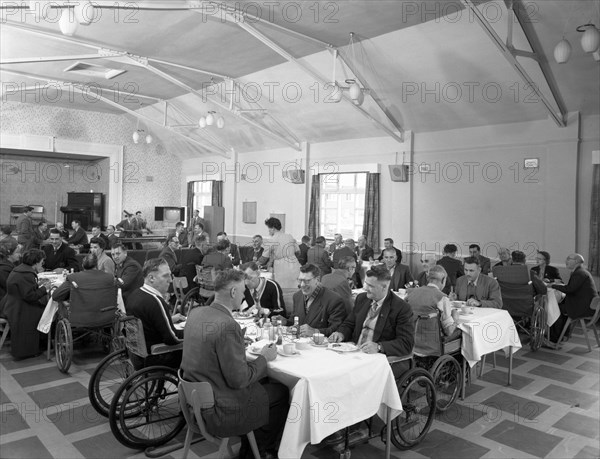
(342, 206)
(202, 196)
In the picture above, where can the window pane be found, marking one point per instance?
(342, 208)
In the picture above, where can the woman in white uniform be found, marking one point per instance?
(282, 255)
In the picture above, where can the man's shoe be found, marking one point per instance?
(354, 438)
(334, 438)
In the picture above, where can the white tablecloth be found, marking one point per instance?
(552, 309)
(330, 391)
(487, 330)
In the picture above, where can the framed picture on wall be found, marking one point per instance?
(249, 212)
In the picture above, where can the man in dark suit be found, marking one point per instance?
(111, 237)
(169, 255)
(127, 271)
(338, 243)
(40, 235)
(219, 257)
(364, 252)
(79, 237)
(388, 243)
(452, 265)
(318, 256)
(59, 254)
(147, 303)
(97, 232)
(317, 308)
(262, 292)
(380, 322)
(213, 351)
(579, 291)
(196, 220)
(190, 259)
(181, 234)
(63, 232)
(428, 261)
(477, 289)
(303, 250)
(400, 274)
(339, 281)
(484, 262)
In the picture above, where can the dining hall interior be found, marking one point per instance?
(428, 122)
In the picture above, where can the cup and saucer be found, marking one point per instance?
(319, 340)
(288, 350)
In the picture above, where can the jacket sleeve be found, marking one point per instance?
(336, 312)
(237, 372)
(575, 282)
(164, 325)
(129, 276)
(494, 298)
(404, 341)
(29, 291)
(63, 292)
(71, 260)
(347, 326)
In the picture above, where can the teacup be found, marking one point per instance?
(289, 348)
(302, 343)
(318, 338)
(468, 309)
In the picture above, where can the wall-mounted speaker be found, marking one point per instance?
(398, 172)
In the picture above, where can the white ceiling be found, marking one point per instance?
(414, 56)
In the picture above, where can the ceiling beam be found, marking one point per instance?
(282, 52)
(38, 59)
(559, 117)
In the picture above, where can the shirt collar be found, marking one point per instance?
(314, 294)
(475, 281)
(152, 290)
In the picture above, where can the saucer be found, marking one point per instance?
(466, 313)
(283, 354)
(325, 344)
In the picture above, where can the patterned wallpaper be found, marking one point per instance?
(152, 174)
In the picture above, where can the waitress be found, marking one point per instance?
(283, 253)
(24, 304)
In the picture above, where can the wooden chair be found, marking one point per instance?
(194, 396)
(594, 306)
(179, 286)
(5, 328)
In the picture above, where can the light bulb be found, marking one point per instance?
(148, 138)
(354, 91)
(360, 99)
(220, 122)
(202, 122)
(590, 39)
(84, 12)
(562, 51)
(210, 119)
(67, 24)
(136, 137)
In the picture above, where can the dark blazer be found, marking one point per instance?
(38, 238)
(400, 277)
(338, 283)
(550, 273)
(170, 257)
(112, 240)
(79, 237)
(487, 291)
(217, 260)
(398, 255)
(326, 312)
(303, 251)
(366, 253)
(189, 259)
(318, 256)
(213, 351)
(453, 267)
(25, 231)
(64, 258)
(6, 268)
(183, 238)
(131, 274)
(394, 330)
(24, 304)
(271, 298)
(580, 291)
(485, 264)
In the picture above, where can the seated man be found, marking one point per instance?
(105, 263)
(258, 251)
(218, 258)
(428, 262)
(111, 237)
(579, 293)
(388, 243)
(427, 299)
(190, 259)
(477, 289)
(484, 262)
(63, 232)
(213, 351)
(261, 292)
(304, 246)
(339, 281)
(233, 251)
(181, 234)
(79, 236)
(128, 272)
(452, 265)
(318, 256)
(90, 279)
(147, 303)
(519, 259)
(58, 254)
(399, 273)
(195, 231)
(317, 308)
(168, 254)
(337, 244)
(97, 232)
(364, 251)
(40, 235)
(380, 321)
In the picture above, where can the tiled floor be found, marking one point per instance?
(551, 410)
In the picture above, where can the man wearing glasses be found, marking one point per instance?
(318, 308)
(58, 254)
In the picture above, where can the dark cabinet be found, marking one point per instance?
(85, 207)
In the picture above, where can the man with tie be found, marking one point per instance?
(484, 262)
(262, 292)
(147, 303)
(399, 273)
(477, 289)
(318, 308)
(59, 254)
(380, 322)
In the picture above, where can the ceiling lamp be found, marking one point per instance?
(590, 39)
(67, 23)
(562, 51)
(211, 119)
(140, 133)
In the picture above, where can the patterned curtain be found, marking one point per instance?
(594, 263)
(217, 193)
(190, 202)
(371, 220)
(315, 205)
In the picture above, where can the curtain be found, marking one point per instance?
(594, 262)
(371, 219)
(315, 205)
(190, 202)
(217, 193)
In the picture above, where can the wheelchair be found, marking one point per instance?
(144, 410)
(204, 292)
(528, 311)
(84, 316)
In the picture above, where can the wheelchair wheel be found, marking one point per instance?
(417, 393)
(63, 345)
(191, 300)
(538, 325)
(107, 378)
(146, 412)
(447, 378)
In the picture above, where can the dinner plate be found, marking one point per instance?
(325, 344)
(342, 347)
(463, 313)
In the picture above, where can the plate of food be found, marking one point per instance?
(243, 315)
(342, 347)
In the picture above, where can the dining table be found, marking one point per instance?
(329, 390)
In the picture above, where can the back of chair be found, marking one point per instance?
(92, 307)
(179, 284)
(193, 398)
(135, 340)
(512, 274)
(206, 277)
(428, 336)
(515, 288)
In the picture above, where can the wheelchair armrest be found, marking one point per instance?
(165, 349)
(399, 358)
(108, 308)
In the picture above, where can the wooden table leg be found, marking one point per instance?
(388, 434)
